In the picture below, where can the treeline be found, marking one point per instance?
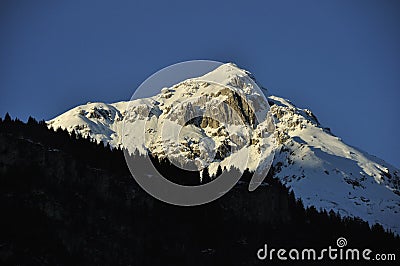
(95, 153)
(84, 149)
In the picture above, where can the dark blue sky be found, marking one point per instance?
(341, 59)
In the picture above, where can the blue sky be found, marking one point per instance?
(341, 59)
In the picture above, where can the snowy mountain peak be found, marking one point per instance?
(320, 168)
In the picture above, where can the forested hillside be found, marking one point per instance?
(67, 200)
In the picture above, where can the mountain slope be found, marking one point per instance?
(321, 169)
(327, 173)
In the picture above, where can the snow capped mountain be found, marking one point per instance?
(321, 169)
(209, 119)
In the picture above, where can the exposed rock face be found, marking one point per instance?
(240, 105)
